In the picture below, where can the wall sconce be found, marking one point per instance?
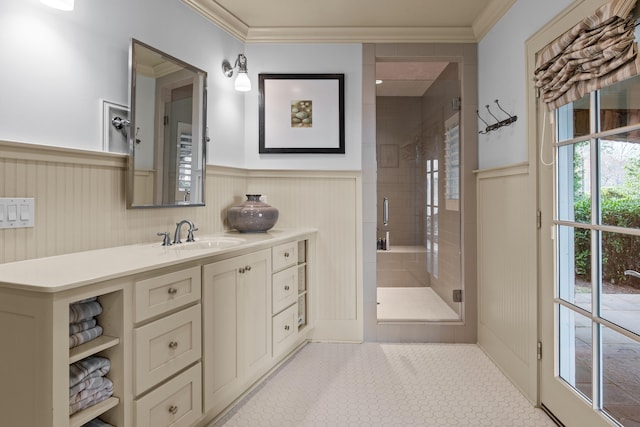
(59, 4)
(242, 84)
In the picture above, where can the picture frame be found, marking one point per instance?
(301, 113)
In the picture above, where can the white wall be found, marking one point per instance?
(305, 58)
(57, 66)
(502, 76)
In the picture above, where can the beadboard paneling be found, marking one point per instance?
(330, 203)
(507, 285)
(80, 205)
(80, 202)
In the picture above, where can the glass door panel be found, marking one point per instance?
(597, 225)
(621, 377)
(574, 268)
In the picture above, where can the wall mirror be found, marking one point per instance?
(167, 131)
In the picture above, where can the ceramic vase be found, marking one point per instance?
(252, 216)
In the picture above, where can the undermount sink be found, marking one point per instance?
(210, 243)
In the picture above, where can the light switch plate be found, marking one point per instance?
(17, 212)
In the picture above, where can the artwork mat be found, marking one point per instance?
(277, 91)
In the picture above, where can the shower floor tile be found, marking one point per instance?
(386, 385)
(412, 304)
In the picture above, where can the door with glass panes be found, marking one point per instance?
(590, 296)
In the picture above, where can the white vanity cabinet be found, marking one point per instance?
(35, 356)
(236, 298)
(289, 294)
(252, 321)
(187, 331)
(166, 341)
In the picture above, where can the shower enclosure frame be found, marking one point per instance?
(465, 55)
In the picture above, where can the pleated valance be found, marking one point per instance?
(597, 52)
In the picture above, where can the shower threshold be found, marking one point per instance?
(413, 304)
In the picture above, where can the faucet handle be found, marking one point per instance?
(166, 241)
(190, 237)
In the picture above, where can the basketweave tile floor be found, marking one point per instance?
(375, 384)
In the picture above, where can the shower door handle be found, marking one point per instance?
(385, 211)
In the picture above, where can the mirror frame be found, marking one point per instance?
(132, 137)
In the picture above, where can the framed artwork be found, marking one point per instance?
(301, 113)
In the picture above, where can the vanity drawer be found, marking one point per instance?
(285, 329)
(284, 255)
(160, 294)
(285, 289)
(166, 346)
(177, 403)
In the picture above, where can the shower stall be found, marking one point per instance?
(418, 192)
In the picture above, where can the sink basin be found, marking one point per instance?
(217, 242)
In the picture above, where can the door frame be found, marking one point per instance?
(553, 394)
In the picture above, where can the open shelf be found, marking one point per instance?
(80, 418)
(92, 347)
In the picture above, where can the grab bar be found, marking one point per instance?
(385, 211)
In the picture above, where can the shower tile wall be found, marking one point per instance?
(410, 131)
(399, 129)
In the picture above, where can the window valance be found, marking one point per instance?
(597, 52)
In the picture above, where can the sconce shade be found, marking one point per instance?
(242, 84)
(59, 4)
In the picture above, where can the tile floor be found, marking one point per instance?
(405, 304)
(374, 384)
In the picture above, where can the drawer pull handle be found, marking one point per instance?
(241, 270)
(286, 327)
(286, 254)
(172, 291)
(173, 409)
(248, 268)
(286, 287)
(173, 345)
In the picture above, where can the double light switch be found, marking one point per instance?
(17, 212)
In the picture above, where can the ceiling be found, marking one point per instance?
(374, 21)
(361, 21)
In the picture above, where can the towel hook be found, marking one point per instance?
(499, 123)
(482, 120)
(511, 118)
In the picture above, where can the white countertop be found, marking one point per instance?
(63, 272)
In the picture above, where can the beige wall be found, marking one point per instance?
(80, 205)
(507, 292)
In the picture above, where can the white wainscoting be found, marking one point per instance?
(80, 205)
(507, 287)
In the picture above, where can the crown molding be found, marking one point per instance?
(221, 17)
(489, 17)
(361, 35)
(238, 29)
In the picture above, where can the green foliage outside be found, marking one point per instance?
(620, 206)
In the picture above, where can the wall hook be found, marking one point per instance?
(482, 120)
(499, 123)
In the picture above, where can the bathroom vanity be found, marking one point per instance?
(188, 328)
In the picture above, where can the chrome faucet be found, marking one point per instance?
(192, 228)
